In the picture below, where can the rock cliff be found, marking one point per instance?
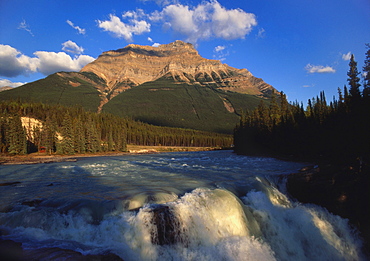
(133, 65)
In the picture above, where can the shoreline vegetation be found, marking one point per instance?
(38, 158)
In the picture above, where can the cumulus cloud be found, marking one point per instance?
(15, 63)
(72, 47)
(126, 30)
(207, 20)
(51, 62)
(319, 69)
(6, 82)
(346, 56)
(79, 29)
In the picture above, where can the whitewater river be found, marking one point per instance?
(171, 206)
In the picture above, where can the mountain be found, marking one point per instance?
(169, 85)
(5, 88)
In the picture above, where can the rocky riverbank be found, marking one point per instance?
(343, 189)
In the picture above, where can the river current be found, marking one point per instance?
(170, 206)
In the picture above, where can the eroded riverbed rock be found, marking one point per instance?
(343, 189)
(166, 226)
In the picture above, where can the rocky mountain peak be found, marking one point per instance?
(136, 64)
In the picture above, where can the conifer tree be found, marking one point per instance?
(66, 144)
(354, 80)
(49, 137)
(366, 71)
(17, 138)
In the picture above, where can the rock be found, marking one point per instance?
(9, 183)
(343, 190)
(10, 250)
(32, 203)
(167, 226)
(133, 65)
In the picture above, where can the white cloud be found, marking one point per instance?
(72, 47)
(6, 82)
(220, 53)
(24, 26)
(219, 48)
(79, 29)
(51, 62)
(207, 20)
(346, 56)
(124, 30)
(156, 44)
(150, 39)
(319, 69)
(14, 63)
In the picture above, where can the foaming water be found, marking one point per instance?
(173, 206)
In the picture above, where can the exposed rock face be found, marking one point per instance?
(342, 188)
(134, 65)
(5, 88)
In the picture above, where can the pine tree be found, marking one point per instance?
(17, 138)
(366, 71)
(353, 81)
(66, 144)
(49, 137)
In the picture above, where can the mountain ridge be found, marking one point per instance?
(133, 65)
(170, 85)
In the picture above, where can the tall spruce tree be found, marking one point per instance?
(17, 138)
(65, 146)
(353, 80)
(366, 71)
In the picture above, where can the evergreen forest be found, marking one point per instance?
(337, 130)
(70, 130)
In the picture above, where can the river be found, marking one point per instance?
(212, 205)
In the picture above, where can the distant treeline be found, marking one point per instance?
(338, 130)
(69, 130)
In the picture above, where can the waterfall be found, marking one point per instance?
(181, 206)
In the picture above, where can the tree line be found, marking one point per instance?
(70, 130)
(339, 129)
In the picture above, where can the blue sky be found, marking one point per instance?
(300, 47)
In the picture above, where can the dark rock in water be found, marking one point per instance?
(32, 203)
(167, 226)
(56, 253)
(9, 183)
(343, 189)
(10, 250)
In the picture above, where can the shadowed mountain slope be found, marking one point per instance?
(169, 85)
